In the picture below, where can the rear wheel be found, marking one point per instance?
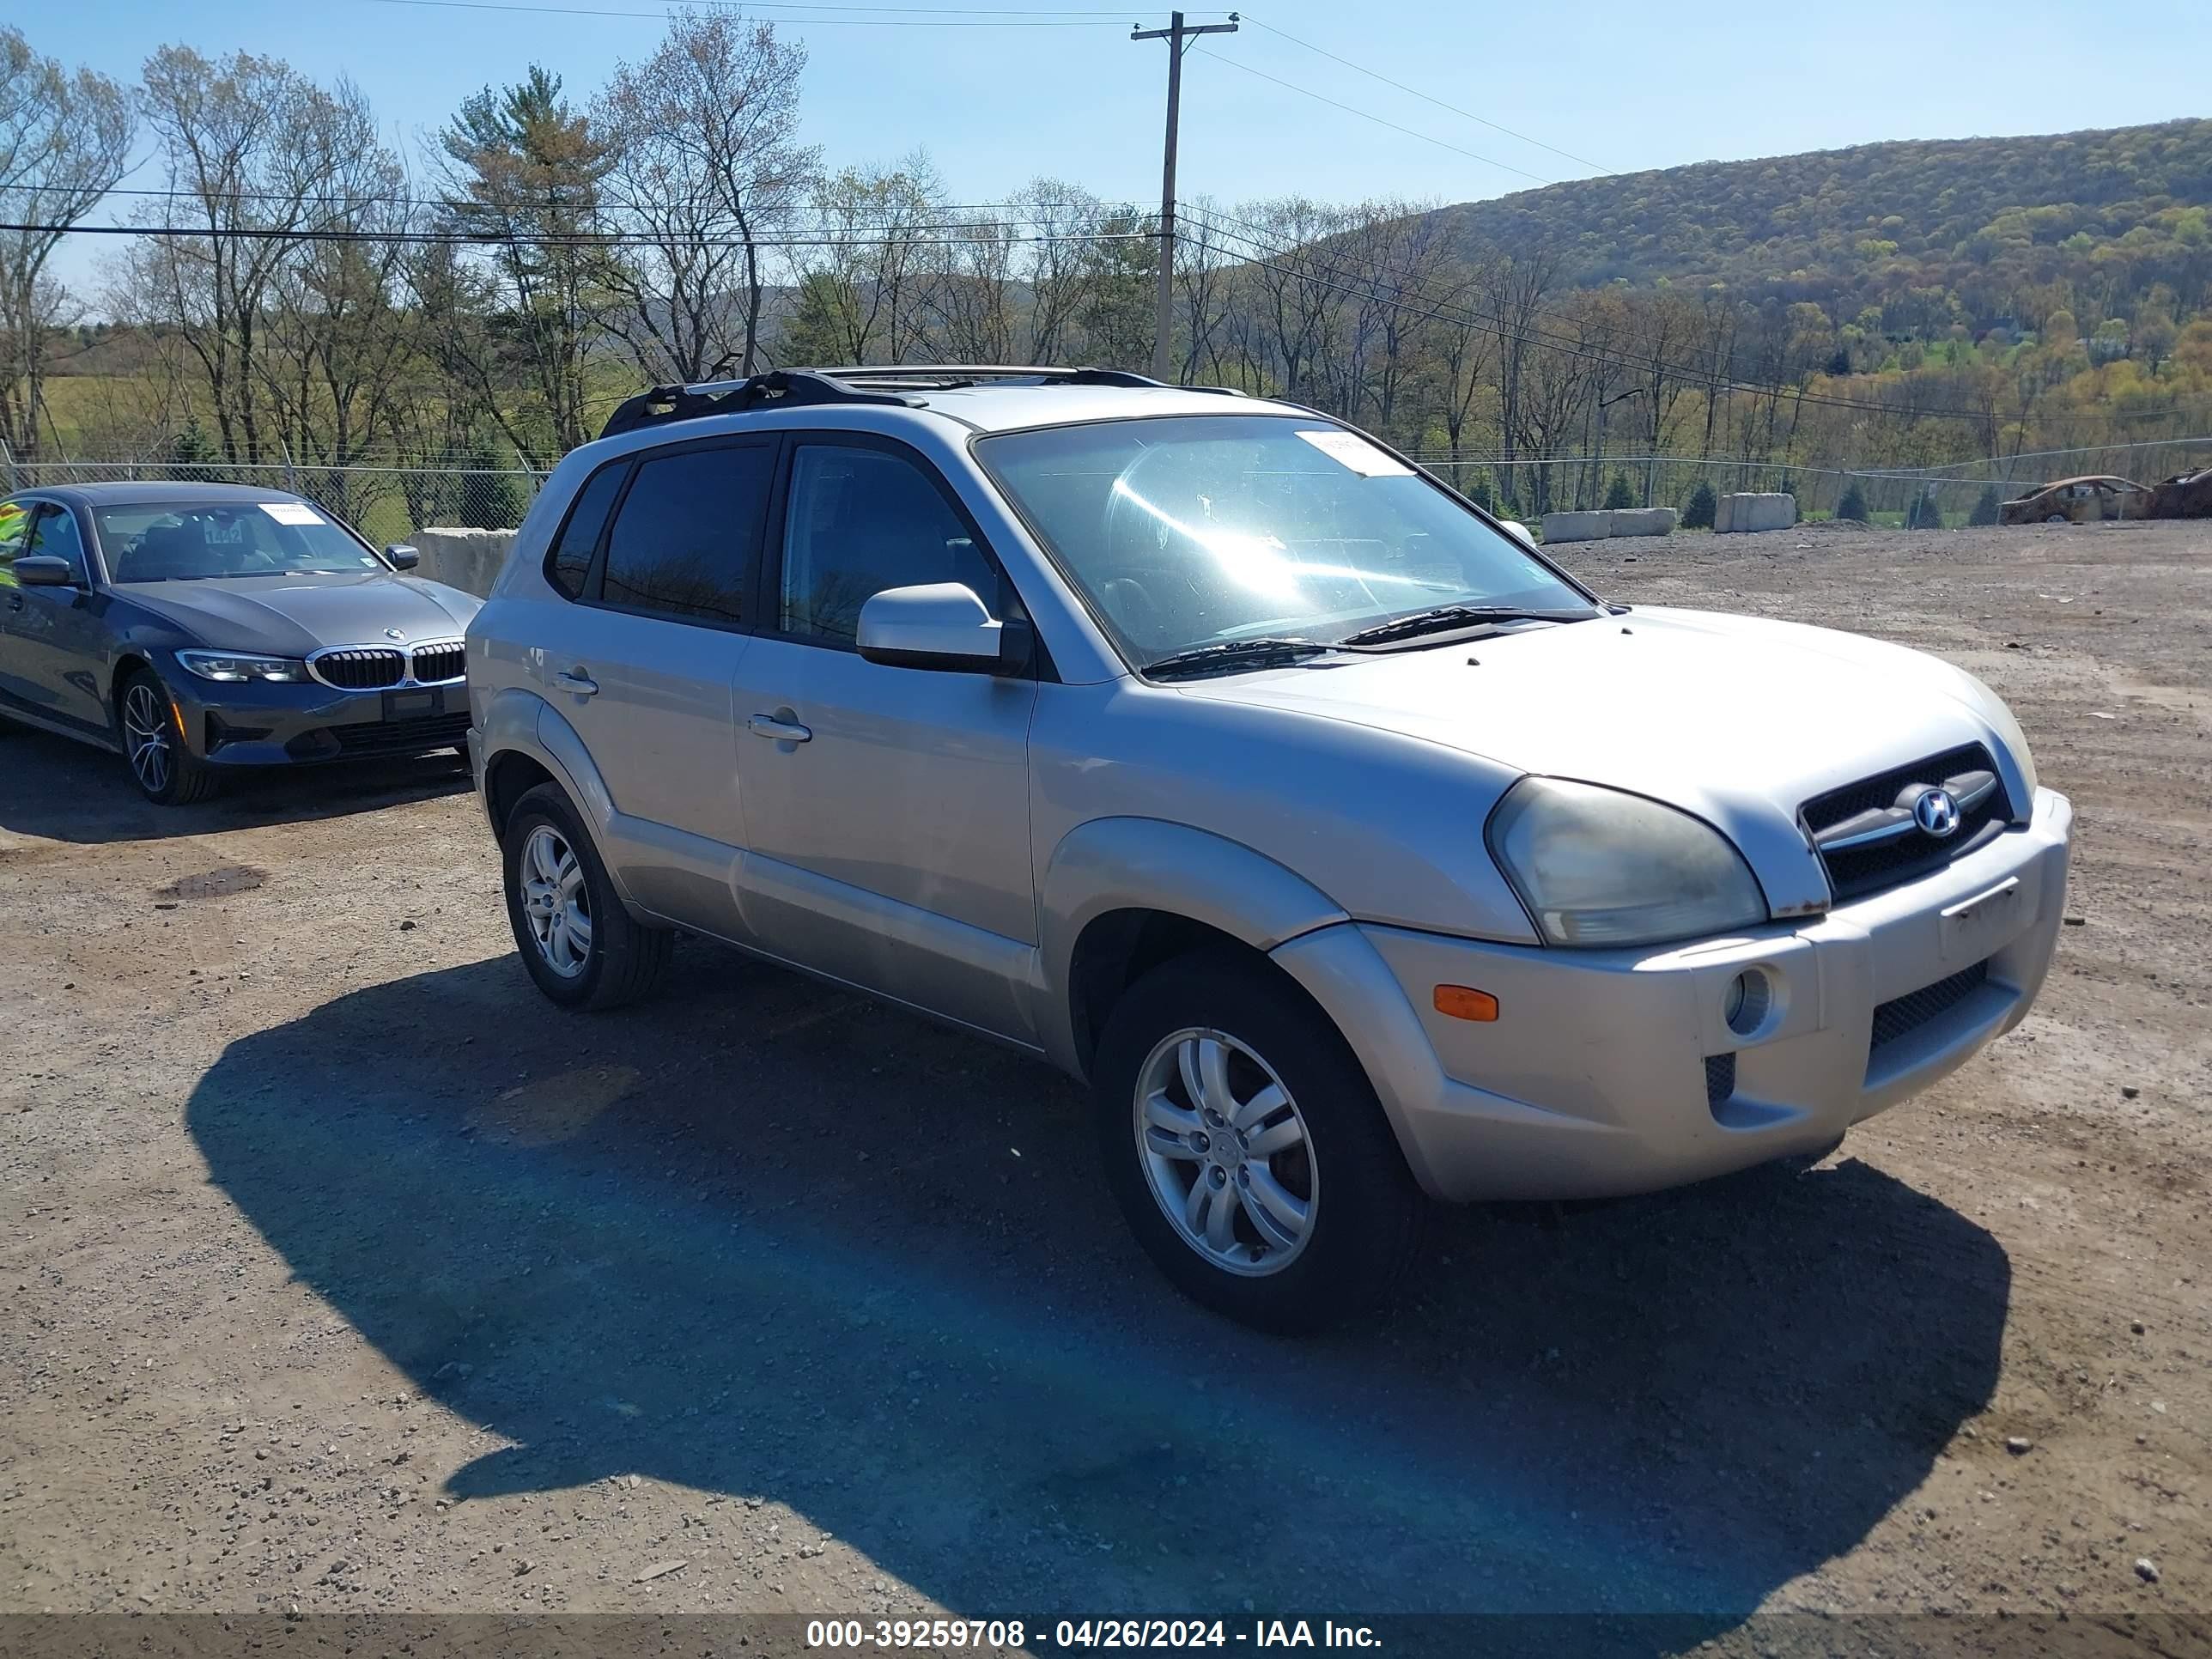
(166, 772)
(2058, 518)
(580, 945)
(1246, 1148)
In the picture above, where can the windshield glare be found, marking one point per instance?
(1195, 531)
(193, 541)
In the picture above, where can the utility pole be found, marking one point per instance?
(1174, 34)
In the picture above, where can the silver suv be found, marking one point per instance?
(1214, 752)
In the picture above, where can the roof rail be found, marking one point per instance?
(862, 383)
(780, 387)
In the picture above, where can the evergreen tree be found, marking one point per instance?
(1621, 494)
(1985, 509)
(1483, 496)
(1853, 506)
(1924, 514)
(191, 452)
(1697, 512)
(492, 495)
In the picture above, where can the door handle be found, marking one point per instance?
(767, 726)
(577, 681)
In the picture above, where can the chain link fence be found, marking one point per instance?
(385, 503)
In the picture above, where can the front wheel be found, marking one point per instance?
(1246, 1148)
(583, 949)
(168, 773)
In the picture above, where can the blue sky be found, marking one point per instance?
(1626, 84)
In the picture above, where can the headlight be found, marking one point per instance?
(233, 669)
(1598, 867)
(1994, 711)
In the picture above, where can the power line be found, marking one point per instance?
(960, 20)
(1369, 115)
(1372, 75)
(580, 239)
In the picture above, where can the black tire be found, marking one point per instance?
(625, 959)
(185, 778)
(1366, 1211)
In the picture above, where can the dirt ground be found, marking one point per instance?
(340, 1273)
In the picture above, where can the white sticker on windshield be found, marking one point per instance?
(292, 512)
(1356, 453)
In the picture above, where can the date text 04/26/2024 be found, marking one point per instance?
(1001, 1634)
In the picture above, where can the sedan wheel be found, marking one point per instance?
(146, 738)
(558, 900)
(1226, 1151)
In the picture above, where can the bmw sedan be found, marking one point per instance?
(199, 630)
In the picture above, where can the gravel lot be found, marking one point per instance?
(338, 1272)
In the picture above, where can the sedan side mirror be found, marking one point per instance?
(402, 557)
(943, 625)
(44, 570)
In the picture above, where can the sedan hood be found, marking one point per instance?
(1737, 720)
(291, 615)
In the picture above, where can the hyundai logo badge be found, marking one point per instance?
(1936, 813)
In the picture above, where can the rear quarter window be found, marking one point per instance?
(569, 562)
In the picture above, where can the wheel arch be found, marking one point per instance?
(1121, 895)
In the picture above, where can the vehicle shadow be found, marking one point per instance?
(60, 790)
(764, 1238)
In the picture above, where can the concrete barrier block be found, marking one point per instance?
(1760, 510)
(1577, 527)
(467, 559)
(1644, 520)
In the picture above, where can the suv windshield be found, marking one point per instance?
(1197, 531)
(190, 541)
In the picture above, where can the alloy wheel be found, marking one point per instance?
(1226, 1151)
(146, 736)
(557, 901)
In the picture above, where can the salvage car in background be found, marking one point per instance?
(1213, 751)
(2078, 501)
(201, 628)
(2185, 495)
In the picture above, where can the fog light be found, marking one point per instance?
(1749, 996)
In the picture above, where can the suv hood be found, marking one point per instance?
(1736, 719)
(291, 615)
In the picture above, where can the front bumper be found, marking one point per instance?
(259, 724)
(1594, 1081)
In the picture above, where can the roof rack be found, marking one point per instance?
(865, 383)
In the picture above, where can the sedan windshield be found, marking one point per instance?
(1199, 530)
(194, 541)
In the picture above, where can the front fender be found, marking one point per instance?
(1149, 864)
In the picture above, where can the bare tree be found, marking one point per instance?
(1059, 219)
(865, 283)
(64, 140)
(705, 166)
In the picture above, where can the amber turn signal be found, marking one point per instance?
(1464, 1002)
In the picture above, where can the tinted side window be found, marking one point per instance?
(685, 539)
(570, 560)
(860, 520)
(56, 537)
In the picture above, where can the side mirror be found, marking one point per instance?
(943, 625)
(1514, 527)
(403, 556)
(44, 570)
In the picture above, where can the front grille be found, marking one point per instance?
(360, 668)
(1720, 1080)
(1908, 1013)
(1855, 871)
(445, 662)
(415, 737)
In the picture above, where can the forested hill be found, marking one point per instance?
(2114, 210)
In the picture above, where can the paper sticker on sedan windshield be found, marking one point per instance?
(1356, 453)
(292, 512)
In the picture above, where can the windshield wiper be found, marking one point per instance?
(1233, 655)
(1444, 616)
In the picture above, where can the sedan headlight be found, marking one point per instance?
(1598, 867)
(233, 669)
